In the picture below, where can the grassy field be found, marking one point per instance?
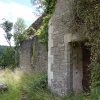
(34, 87)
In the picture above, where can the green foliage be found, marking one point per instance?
(7, 26)
(9, 36)
(2, 48)
(95, 74)
(19, 28)
(12, 80)
(81, 96)
(43, 32)
(46, 5)
(86, 20)
(34, 87)
(94, 94)
(41, 82)
(28, 33)
(38, 90)
(49, 6)
(25, 86)
(86, 14)
(8, 58)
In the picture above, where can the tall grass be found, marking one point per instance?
(12, 79)
(25, 87)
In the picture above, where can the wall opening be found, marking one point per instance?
(81, 71)
(86, 71)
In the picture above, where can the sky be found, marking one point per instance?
(11, 10)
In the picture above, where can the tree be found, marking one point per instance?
(7, 27)
(19, 28)
(8, 54)
(47, 6)
(40, 7)
(8, 58)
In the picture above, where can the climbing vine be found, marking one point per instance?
(27, 34)
(43, 31)
(86, 21)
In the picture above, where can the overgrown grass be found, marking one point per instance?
(12, 79)
(34, 87)
(25, 87)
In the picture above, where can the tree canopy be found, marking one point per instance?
(19, 28)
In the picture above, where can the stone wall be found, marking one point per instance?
(27, 56)
(64, 76)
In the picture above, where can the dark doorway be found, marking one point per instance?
(86, 70)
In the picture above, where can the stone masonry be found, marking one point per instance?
(64, 76)
(26, 56)
(31, 60)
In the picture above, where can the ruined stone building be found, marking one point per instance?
(67, 65)
(33, 56)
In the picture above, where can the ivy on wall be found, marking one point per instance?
(27, 34)
(86, 21)
(43, 31)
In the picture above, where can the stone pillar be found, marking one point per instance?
(25, 56)
(59, 65)
(50, 57)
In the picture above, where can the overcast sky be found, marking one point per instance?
(12, 9)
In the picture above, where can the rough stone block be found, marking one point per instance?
(53, 50)
(3, 87)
